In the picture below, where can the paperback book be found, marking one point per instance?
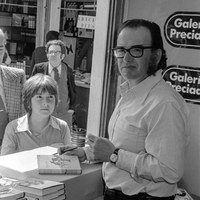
(58, 164)
(39, 187)
(12, 194)
(61, 197)
(52, 195)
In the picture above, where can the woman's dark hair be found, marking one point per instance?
(34, 84)
(157, 41)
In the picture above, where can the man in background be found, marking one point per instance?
(62, 73)
(39, 54)
(11, 84)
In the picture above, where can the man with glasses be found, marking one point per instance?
(63, 74)
(11, 84)
(148, 131)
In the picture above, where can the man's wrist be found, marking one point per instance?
(114, 156)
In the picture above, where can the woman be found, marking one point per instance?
(38, 127)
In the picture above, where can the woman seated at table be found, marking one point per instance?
(38, 127)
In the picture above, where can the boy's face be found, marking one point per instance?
(43, 104)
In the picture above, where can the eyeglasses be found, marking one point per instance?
(54, 52)
(135, 51)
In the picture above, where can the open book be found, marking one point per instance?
(58, 164)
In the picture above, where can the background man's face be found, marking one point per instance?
(54, 55)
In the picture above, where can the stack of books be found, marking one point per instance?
(8, 191)
(39, 189)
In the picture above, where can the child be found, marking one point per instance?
(38, 127)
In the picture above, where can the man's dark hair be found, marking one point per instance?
(52, 35)
(157, 41)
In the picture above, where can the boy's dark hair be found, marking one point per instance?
(34, 84)
(157, 41)
(52, 35)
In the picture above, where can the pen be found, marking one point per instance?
(62, 150)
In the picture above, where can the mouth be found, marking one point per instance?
(44, 109)
(129, 66)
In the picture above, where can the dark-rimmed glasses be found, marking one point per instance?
(134, 51)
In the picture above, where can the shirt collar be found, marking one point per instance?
(23, 125)
(51, 69)
(142, 89)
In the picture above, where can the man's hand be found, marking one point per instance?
(102, 148)
(73, 151)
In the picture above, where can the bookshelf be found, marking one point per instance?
(18, 20)
(79, 43)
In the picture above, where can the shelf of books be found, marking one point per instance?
(18, 21)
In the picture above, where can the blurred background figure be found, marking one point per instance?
(63, 74)
(11, 84)
(39, 54)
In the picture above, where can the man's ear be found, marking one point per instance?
(62, 56)
(156, 56)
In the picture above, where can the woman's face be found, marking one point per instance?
(42, 104)
(131, 68)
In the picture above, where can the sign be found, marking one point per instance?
(86, 22)
(185, 80)
(182, 29)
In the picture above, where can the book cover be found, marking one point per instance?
(39, 186)
(52, 195)
(61, 197)
(11, 194)
(58, 164)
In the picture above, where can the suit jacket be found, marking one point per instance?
(13, 80)
(39, 55)
(44, 69)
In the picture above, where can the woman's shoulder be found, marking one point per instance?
(59, 121)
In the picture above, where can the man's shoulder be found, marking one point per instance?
(12, 71)
(67, 67)
(42, 64)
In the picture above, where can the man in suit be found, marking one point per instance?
(11, 84)
(63, 74)
(39, 54)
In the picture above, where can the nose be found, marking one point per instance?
(127, 57)
(45, 102)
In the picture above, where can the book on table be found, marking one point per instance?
(12, 194)
(58, 164)
(8, 191)
(52, 195)
(61, 197)
(39, 187)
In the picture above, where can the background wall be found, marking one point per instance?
(159, 11)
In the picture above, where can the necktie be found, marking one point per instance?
(3, 119)
(56, 74)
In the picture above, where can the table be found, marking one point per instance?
(87, 186)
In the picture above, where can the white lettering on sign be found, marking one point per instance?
(182, 29)
(86, 22)
(185, 80)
